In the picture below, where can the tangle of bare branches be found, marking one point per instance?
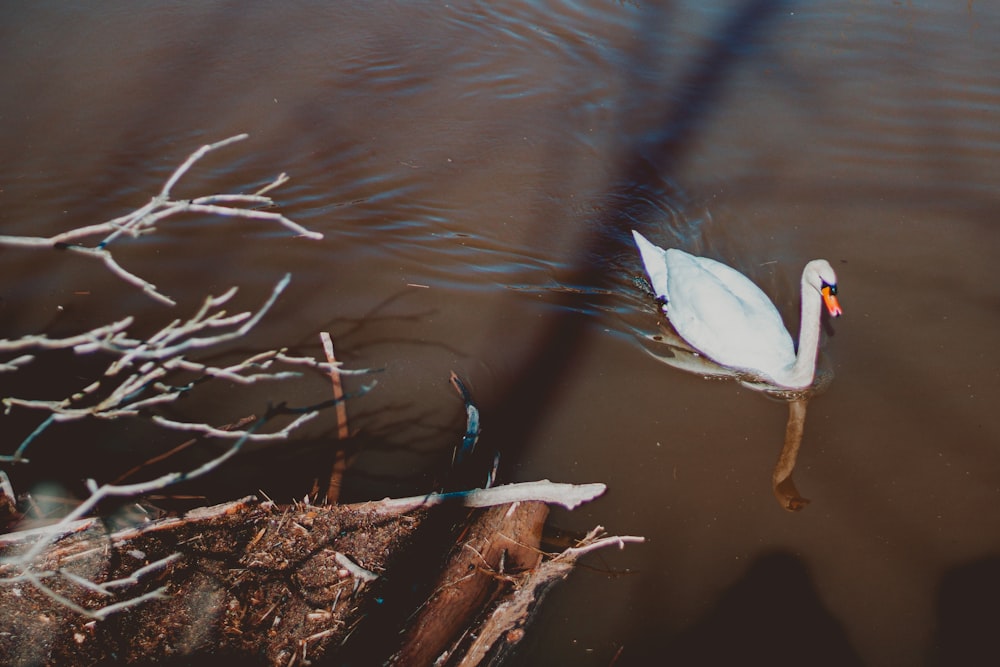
(143, 374)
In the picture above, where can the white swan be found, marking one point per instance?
(724, 316)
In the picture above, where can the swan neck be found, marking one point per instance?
(805, 358)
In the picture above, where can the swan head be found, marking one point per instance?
(819, 275)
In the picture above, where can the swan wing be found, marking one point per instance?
(725, 316)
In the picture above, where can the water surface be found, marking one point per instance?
(474, 169)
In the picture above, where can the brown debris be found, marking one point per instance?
(254, 581)
(263, 584)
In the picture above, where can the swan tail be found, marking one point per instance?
(654, 259)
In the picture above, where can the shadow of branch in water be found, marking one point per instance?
(522, 404)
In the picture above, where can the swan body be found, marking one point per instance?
(723, 315)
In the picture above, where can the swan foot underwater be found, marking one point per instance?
(724, 326)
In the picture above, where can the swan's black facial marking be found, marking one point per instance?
(829, 293)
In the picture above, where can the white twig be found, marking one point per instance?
(133, 578)
(592, 542)
(102, 613)
(194, 157)
(206, 429)
(43, 342)
(16, 363)
(358, 572)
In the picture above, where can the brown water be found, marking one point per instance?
(475, 168)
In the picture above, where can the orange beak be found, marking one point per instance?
(829, 293)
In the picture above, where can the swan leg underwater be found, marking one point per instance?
(723, 315)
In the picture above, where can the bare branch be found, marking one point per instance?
(51, 533)
(16, 363)
(594, 541)
(194, 157)
(206, 429)
(43, 342)
(363, 575)
(137, 379)
(141, 572)
(144, 219)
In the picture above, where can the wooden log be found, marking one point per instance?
(501, 540)
(497, 635)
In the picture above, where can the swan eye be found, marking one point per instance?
(832, 289)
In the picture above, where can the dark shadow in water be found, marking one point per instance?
(653, 160)
(968, 612)
(772, 616)
(778, 583)
(208, 40)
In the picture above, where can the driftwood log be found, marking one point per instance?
(274, 585)
(499, 546)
